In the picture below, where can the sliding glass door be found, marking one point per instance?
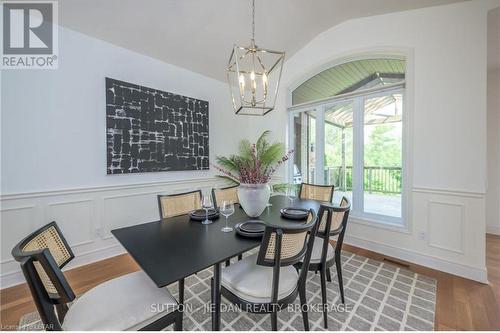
(355, 144)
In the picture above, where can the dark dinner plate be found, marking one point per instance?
(251, 228)
(200, 214)
(294, 213)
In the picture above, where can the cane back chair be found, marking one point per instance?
(171, 205)
(225, 194)
(324, 255)
(316, 192)
(229, 193)
(179, 204)
(267, 281)
(118, 304)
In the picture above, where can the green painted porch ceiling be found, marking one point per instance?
(348, 77)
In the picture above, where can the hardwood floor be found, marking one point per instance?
(461, 304)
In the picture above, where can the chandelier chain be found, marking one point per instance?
(253, 19)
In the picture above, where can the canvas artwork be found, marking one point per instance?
(150, 130)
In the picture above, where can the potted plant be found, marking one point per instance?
(252, 169)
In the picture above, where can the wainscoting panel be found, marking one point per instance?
(16, 223)
(445, 229)
(86, 216)
(75, 218)
(446, 221)
(130, 209)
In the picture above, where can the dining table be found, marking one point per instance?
(174, 248)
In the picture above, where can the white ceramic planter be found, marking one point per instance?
(253, 198)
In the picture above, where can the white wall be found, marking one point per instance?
(493, 105)
(53, 147)
(446, 96)
(53, 121)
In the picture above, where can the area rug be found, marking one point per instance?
(379, 296)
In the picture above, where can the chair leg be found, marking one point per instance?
(303, 307)
(228, 262)
(328, 275)
(338, 265)
(240, 256)
(178, 322)
(181, 291)
(323, 295)
(274, 321)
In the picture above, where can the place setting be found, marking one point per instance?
(207, 213)
(293, 213)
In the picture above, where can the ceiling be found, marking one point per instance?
(349, 77)
(198, 34)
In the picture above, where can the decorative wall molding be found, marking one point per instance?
(107, 226)
(7, 243)
(79, 190)
(86, 217)
(433, 262)
(51, 215)
(97, 210)
(449, 191)
(432, 224)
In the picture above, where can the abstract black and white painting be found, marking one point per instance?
(150, 130)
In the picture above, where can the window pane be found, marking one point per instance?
(383, 155)
(304, 139)
(338, 150)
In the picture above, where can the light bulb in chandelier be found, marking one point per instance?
(242, 85)
(264, 83)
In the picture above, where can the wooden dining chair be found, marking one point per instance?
(267, 281)
(123, 303)
(324, 255)
(225, 194)
(171, 205)
(316, 192)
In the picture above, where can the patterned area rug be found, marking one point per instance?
(379, 296)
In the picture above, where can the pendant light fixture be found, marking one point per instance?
(254, 75)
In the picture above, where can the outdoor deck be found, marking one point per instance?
(382, 204)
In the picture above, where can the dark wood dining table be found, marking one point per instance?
(174, 248)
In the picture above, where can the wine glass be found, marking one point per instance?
(227, 209)
(271, 189)
(291, 193)
(206, 204)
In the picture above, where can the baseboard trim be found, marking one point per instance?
(494, 230)
(472, 273)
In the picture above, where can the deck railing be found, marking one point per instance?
(376, 179)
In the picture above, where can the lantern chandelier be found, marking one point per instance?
(254, 75)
